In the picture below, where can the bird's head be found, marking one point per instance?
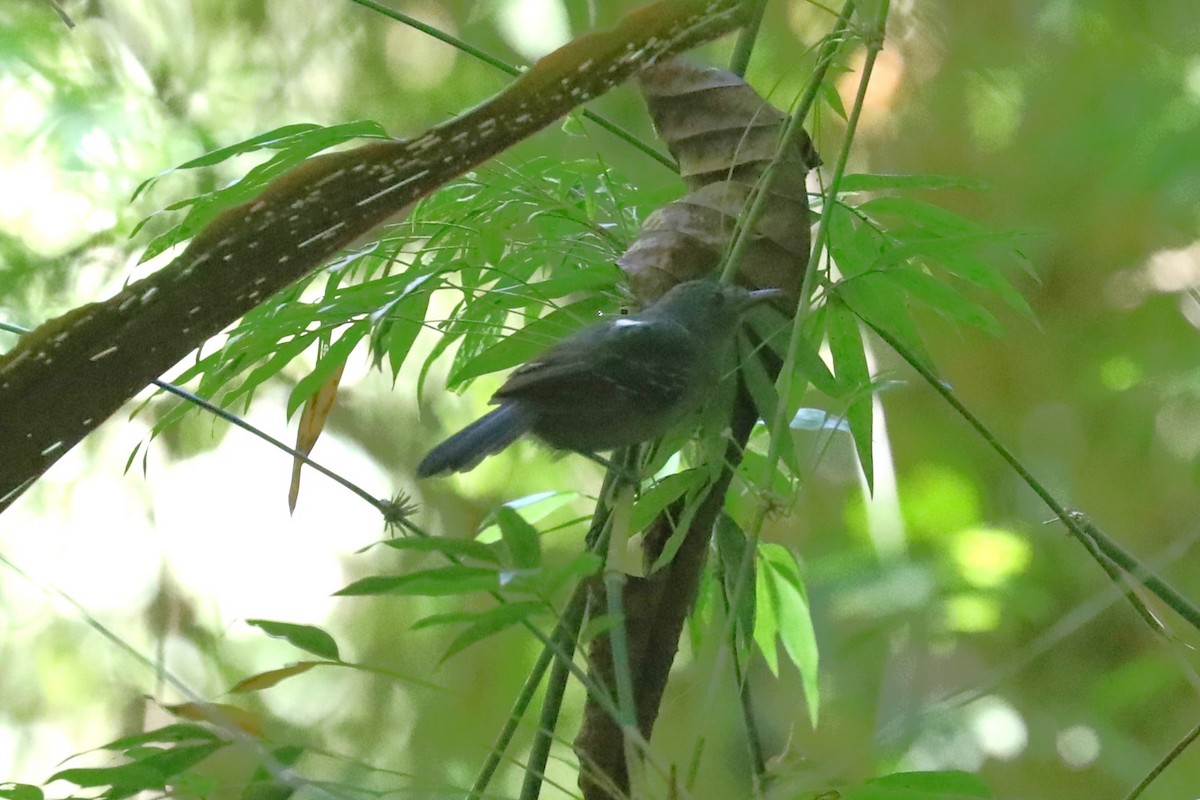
(709, 308)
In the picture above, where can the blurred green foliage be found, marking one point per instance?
(956, 630)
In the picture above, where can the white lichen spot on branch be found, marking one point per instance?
(105, 353)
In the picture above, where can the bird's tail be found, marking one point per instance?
(483, 437)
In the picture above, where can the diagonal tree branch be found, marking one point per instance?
(72, 373)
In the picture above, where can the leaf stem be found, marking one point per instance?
(784, 384)
(566, 634)
(504, 738)
(753, 738)
(747, 38)
(1178, 749)
(1104, 549)
(795, 126)
(614, 588)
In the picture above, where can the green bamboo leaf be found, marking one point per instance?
(551, 578)
(829, 94)
(591, 278)
(810, 367)
(449, 335)
(531, 340)
(437, 582)
(490, 623)
(855, 246)
(950, 785)
(281, 354)
(664, 492)
(527, 607)
(766, 400)
(21, 791)
(306, 637)
(459, 548)
(174, 760)
(399, 321)
(170, 734)
(522, 539)
(850, 363)
(984, 273)
(152, 771)
(880, 302)
(534, 508)
(766, 622)
(316, 137)
(943, 249)
(942, 297)
(221, 154)
(731, 547)
(397, 337)
(334, 358)
(794, 619)
(816, 371)
(135, 777)
(922, 214)
(754, 466)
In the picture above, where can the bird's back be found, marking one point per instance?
(614, 385)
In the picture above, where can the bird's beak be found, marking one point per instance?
(759, 296)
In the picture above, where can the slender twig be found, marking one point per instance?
(746, 224)
(1176, 751)
(753, 739)
(1102, 548)
(382, 505)
(233, 419)
(825, 58)
(70, 23)
(505, 737)
(441, 36)
(565, 637)
(733, 632)
(9, 327)
(738, 63)
(784, 383)
(614, 585)
(614, 590)
(790, 135)
(746, 39)
(512, 69)
(566, 631)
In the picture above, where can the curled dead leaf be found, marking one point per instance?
(724, 135)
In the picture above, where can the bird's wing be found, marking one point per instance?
(643, 359)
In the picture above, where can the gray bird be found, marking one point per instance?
(621, 382)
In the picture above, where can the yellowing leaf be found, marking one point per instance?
(265, 680)
(220, 714)
(312, 422)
